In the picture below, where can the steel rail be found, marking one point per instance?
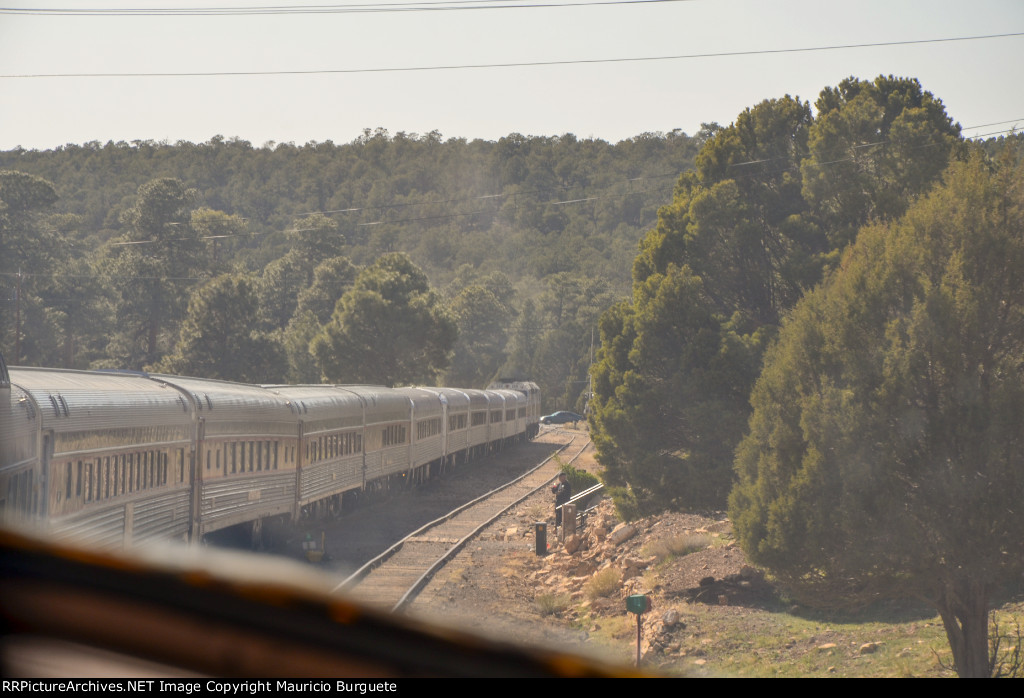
(396, 576)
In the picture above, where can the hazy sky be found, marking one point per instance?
(979, 81)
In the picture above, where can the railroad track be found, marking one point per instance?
(394, 578)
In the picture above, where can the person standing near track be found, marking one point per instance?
(563, 493)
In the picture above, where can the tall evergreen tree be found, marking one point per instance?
(218, 339)
(388, 329)
(150, 270)
(757, 224)
(885, 454)
(28, 251)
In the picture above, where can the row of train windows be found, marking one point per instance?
(393, 435)
(246, 456)
(20, 495)
(426, 428)
(112, 476)
(333, 446)
(458, 421)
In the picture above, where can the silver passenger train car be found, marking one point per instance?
(121, 458)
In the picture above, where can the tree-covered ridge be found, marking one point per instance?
(445, 203)
(532, 234)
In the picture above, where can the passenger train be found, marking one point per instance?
(120, 458)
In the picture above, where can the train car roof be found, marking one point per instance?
(526, 387)
(513, 395)
(457, 399)
(70, 400)
(223, 401)
(422, 399)
(317, 397)
(478, 399)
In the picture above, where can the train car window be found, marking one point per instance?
(68, 484)
(88, 482)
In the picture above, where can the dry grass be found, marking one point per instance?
(677, 546)
(552, 604)
(604, 583)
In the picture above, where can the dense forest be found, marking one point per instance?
(228, 260)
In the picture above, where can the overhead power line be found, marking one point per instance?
(523, 64)
(455, 5)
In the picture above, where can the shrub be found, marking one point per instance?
(552, 604)
(579, 479)
(603, 583)
(677, 546)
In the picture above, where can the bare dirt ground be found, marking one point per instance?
(713, 615)
(493, 586)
